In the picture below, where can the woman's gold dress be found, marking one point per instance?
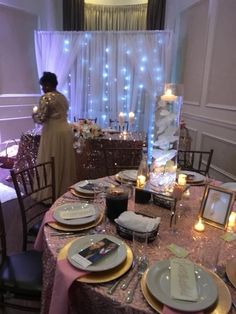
(56, 139)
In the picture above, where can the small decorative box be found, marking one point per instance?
(163, 201)
(128, 233)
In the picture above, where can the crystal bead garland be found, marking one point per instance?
(166, 137)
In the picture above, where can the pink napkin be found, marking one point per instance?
(64, 276)
(38, 244)
(168, 310)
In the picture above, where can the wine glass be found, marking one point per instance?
(100, 202)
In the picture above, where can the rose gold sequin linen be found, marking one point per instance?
(92, 298)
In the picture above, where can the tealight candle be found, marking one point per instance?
(231, 222)
(168, 96)
(187, 193)
(35, 109)
(131, 117)
(121, 118)
(199, 226)
(182, 179)
(141, 181)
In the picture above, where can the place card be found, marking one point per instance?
(177, 250)
(183, 284)
(76, 214)
(94, 252)
(228, 236)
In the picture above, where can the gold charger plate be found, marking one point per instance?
(231, 271)
(61, 227)
(223, 304)
(81, 195)
(104, 276)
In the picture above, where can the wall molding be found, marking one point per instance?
(218, 122)
(192, 103)
(221, 139)
(223, 172)
(17, 118)
(223, 107)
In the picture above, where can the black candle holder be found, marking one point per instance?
(142, 196)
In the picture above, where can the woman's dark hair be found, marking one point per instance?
(48, 78)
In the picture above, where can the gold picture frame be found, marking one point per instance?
(216, 206)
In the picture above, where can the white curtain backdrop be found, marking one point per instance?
(115, 17)
(104, 73)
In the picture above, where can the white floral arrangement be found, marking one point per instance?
(86, 129)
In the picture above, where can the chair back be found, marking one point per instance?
(87, 119)
(117, 159)
(114, 124)
(35, 189)
(197, 161)
(3, 248)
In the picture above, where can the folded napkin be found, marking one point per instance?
(48, 217)
(64, 276)
(132, 221)
(183, 284)
(88, 186)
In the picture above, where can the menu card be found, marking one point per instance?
(183, 285)
(95, 252)
(77, 213)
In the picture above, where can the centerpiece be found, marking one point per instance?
(84, 129)
(166, 138)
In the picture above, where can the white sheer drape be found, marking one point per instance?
(108, 17)
(104, 73)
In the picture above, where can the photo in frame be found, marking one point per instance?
(216, 206)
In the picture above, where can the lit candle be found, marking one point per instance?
(187, 193)
(168, 96)
(141, 181)
(131, 117)
(35, 109)
(182, 178)
(125, 135)
(231, 222)
(199, 226)
(121, 118)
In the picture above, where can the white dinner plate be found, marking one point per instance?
(110, 261)
(81, 187)
(158, 283)
(128, 175)
(75, 207)
(229, 185)
(197, 177)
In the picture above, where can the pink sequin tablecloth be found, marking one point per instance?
(93, 298)
(90, 156)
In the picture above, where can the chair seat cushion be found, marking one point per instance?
(33, 231)
(22, 274)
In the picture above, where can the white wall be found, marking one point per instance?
(205, 55)
(19, 88)
(49, 12)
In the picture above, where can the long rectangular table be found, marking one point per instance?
(91, 161)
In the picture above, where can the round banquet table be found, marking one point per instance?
(93, 298)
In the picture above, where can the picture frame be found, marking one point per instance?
(216, 206)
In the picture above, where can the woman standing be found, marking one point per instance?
(57, 136)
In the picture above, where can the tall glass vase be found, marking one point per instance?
(166, 136)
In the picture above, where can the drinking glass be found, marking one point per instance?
(140, 240)
(100, 203)
(116, 201)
